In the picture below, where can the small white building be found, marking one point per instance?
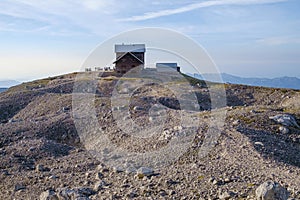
(167, 67)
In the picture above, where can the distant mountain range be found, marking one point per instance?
(281, 82)
(8, 83)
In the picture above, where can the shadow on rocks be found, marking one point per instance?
(273, 146)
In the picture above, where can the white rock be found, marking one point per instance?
(259, 143)
(124, 91)
(284, 130)
(99, 185)
(226, 195)
(271, 191)
(177, 128)
(145, 171)
(40, 168)
(130, 170)
(150, 119)
(48, 195)
(236, 122)
(118, 169)
(285, 119)
(137, 108)
(53, 177)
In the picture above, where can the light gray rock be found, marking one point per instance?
(19, 187)
(259, 143)
(130, 170)
(284, 130)
(76, 194)
(236, 122)
(137, 108)
(66, 109)
(145, 171)
(226, 195)
(40, 168)
(131, 194)
(271, 191)
(99, 185)
(215, 182)
(48, 195)
(118, 169)
(52, 177)
(177, 128)
(286, 120)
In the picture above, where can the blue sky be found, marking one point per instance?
(244, 37)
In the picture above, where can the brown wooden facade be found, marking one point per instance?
(129, 57)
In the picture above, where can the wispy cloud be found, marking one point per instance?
(65, 17)
(194, 6)
(273, 41)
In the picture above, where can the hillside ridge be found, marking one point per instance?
(43, 149)
(279, 82)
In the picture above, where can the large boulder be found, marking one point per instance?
(286, 120)
(271, 191)
(145, 171)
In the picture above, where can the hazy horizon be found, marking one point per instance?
(28, 80)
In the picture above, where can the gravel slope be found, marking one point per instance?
(41, 148)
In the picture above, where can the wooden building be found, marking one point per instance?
(129, 56)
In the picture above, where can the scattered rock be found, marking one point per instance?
(19, 187)
(211, 179)
(286, 120)
(226, 195)
(124, 91)
(177, 128)
(236, 122)
(66, 109)
(131, 194)
(48, 195)
(31, 149)
(53, 177)
(41, 168)
(163, 193)
(14, 120)
(77, 193)
(102, 168)
(259, 143)
(118, 169)
(227, 180)
(137, 108)
(130, 170)
(170, 182)
(99, 185)
(215, 182)
(47, 134)
(271, 191)
(284, 130)
(99, 176)
(5, 173)
(166, 135)
(145, 171)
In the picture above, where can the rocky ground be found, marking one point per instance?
(45, 154)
